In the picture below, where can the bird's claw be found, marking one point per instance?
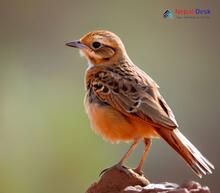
(118, 167)
(140, 172)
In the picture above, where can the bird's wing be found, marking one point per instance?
(133, 97)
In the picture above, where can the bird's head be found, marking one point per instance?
(100, 47)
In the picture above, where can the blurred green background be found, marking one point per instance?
(46, 144)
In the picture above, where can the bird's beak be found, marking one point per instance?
(76, 44)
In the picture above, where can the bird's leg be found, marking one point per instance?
(128, 153)
(119, 165)
(147, 143)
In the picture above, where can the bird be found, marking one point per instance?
(123, 103)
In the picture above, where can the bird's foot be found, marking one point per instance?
(118, 167)
(138, 171)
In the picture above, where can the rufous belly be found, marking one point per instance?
(115, 127)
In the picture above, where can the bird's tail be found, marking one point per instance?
(198, 163)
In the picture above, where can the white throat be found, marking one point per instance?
(82, 54)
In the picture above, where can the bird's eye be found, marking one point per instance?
(96, 45)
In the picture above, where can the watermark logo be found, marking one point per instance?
(187, 13)
(168, 14)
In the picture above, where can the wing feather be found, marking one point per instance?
(134, 97)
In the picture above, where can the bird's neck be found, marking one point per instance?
(115, 61)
